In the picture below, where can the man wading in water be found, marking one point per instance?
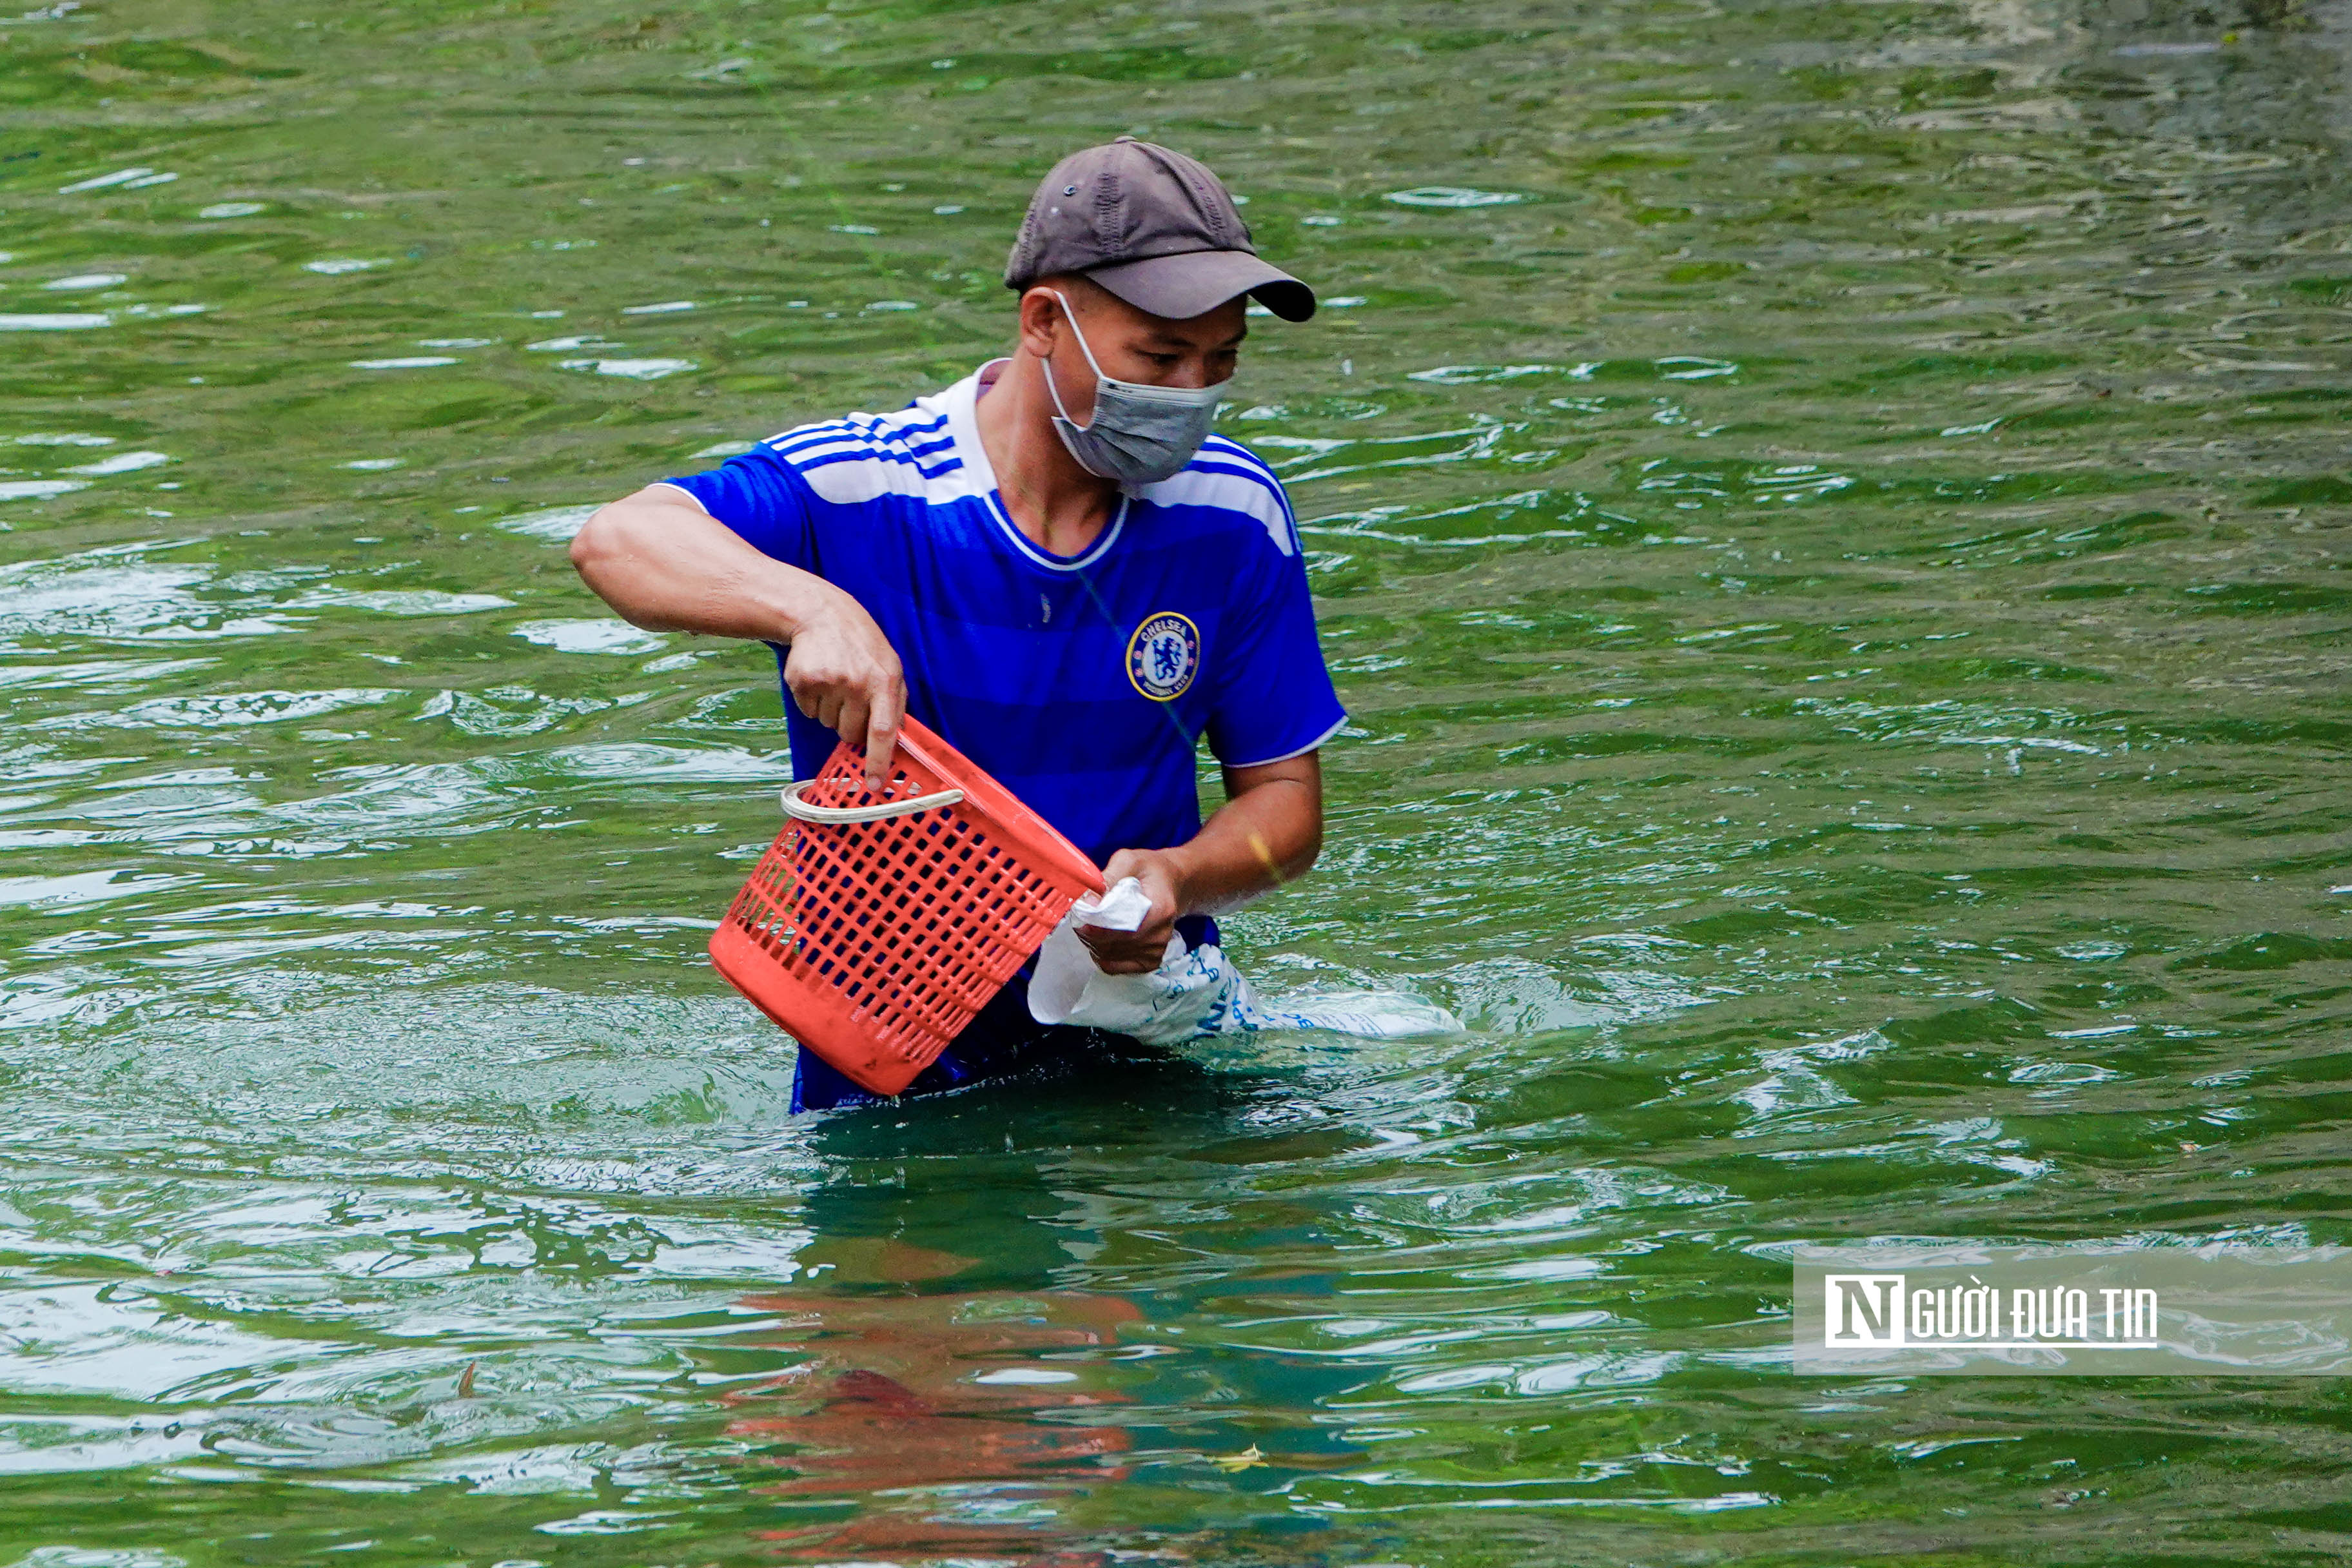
(1051, 563)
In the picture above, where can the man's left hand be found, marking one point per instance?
(1266, 834)
(1139, 952)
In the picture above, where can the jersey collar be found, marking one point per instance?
(962, 400)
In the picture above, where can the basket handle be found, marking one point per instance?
(800, 810)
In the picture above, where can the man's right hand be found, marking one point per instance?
(844, 674)
(668, 565)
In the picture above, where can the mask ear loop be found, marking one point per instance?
(1072, 317)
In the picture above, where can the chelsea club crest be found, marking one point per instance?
(1162, 654)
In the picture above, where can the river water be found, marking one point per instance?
(1828, 522)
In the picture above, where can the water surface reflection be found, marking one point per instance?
(1830, 527)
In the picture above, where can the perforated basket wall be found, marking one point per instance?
(874, 944)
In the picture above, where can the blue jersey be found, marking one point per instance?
(1083, 683)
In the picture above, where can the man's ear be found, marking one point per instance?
(1040, 322)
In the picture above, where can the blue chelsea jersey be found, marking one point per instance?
(1083, 683)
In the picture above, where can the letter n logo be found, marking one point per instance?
(1862, 1310)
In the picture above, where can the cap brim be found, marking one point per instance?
(1198, 281)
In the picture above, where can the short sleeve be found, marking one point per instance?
(759, 495)
(1273, 698)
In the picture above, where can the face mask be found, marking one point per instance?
(1140, 435)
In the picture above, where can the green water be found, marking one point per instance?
(1829, 520)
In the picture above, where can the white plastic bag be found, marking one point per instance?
(1194, 991)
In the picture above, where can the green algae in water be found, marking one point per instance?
(1829, 522)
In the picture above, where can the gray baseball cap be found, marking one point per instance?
(1154, 227)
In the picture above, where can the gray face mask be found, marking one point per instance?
(1140, 435)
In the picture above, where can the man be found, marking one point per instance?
(1053, 563)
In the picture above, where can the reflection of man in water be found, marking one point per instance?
(934, 1337)
(945, 1371)
(926, 1423)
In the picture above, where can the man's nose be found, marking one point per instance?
(1196, 373)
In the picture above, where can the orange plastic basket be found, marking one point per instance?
(879, 923)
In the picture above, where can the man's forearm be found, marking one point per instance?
(1267, 833)
(665, 565)
(668, 567)
(1265, 836)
